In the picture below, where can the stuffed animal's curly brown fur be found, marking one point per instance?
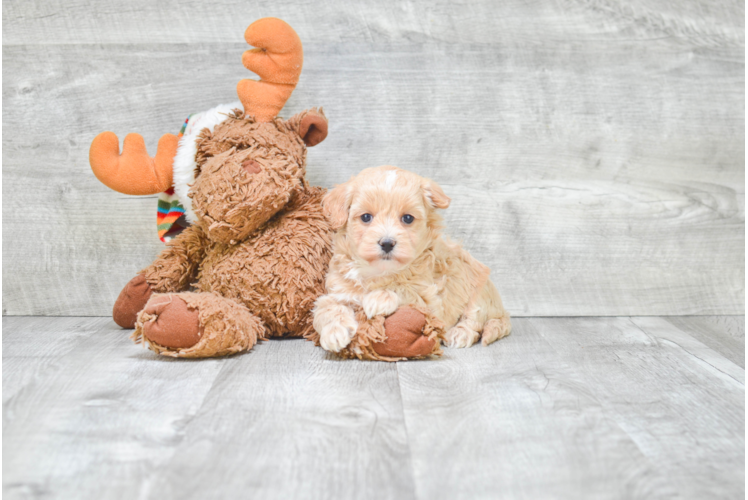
(261, 241)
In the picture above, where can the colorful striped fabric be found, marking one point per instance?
(170, 218)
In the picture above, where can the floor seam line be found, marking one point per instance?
(407, 433)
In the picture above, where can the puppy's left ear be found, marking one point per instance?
(336, 204)
(311, 125)
(434, 195)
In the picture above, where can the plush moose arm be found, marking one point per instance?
(177, 266)
(172, 271)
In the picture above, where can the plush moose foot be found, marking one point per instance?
(405, 339)
(131, 301)
(411, 332)
(172, 323)
(196, 325)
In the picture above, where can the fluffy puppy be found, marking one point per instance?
(388, 251)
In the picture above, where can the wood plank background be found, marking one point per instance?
(594, 149)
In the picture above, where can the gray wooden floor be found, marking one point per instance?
(617, 407)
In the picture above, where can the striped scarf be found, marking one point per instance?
(170, 218)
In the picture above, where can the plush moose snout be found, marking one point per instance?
(251, 167)
(236, 194)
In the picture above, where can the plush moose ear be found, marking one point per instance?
(434, 195)
(311, 125)
(336, 204)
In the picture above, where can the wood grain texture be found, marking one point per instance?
(582, 408)
(94, 419)
(108, 419)
(481, 21)
(562, 408)
(594, 150)
(724, 334)
(292, 421)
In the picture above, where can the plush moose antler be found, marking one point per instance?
(133, 172)
(277, 59)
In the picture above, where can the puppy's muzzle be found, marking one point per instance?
(387, 244)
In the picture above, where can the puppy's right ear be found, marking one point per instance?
(434, 195)
(336, 204)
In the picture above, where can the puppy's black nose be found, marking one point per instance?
(387, 244)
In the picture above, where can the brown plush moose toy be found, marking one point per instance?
(253, 261)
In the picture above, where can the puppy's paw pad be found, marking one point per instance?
(335, 337)
(461, 336)
(380, 303)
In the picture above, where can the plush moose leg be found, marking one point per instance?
(196, 325)
(411, 332)
(131, 301)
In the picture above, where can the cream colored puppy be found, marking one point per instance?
(389, 251)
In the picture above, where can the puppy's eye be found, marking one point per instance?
(366, 218)
(407, 219)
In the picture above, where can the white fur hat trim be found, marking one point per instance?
(184, 161)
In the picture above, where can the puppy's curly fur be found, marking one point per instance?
(389, 251)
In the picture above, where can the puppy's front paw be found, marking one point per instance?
(335, 337)
(336, 323)
(380, 303)
(461, 336)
